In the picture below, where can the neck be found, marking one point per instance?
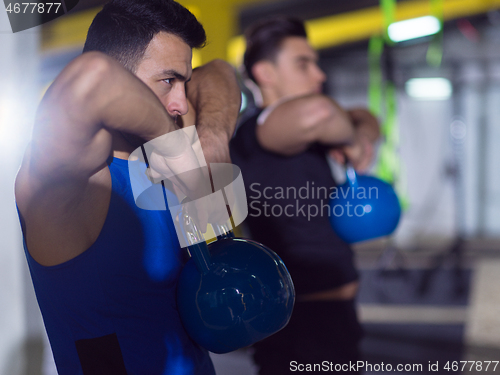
(269, 96)
(121, 154)
(123, 146)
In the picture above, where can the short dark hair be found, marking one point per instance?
(265, 37)
(124, 28)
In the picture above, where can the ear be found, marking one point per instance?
(264, 72)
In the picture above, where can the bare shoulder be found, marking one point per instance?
(61, 217)
(61, 188)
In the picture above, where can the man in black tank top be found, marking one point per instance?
(282, 151)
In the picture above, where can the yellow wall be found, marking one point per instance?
(219, 18)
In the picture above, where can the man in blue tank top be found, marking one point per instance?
(104, 270)
(281, 150)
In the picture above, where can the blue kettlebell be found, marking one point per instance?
(232, 292)
(364, 208)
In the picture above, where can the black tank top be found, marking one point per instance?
(288, 211)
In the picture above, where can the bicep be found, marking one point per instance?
(61, 218)
(68, 139)
(294, 125)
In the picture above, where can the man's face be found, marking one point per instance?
(296, 71)
(165, 68)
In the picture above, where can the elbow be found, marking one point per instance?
(221, 65)
(223, 70)
(227, 74)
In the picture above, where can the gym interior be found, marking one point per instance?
(427, 292)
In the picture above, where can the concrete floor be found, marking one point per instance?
(412, 311)
(421, 306)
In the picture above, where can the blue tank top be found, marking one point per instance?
(112, 309)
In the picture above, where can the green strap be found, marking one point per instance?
(388, 162)
(435, 51)
(382, 102)
(389, 167)
(388, 8)
(375, 86)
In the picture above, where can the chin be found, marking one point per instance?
(311, 91)
(130, 142)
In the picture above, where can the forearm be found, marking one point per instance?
(294, 125)
(216, 97)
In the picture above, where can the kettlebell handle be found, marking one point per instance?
(351, 175)
(197, 246)
(222, 231)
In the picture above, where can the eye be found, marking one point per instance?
(170, 81)
(303, 66)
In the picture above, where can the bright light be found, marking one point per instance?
(429, 88)
(413, 28)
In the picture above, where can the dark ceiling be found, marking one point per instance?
(302, 9)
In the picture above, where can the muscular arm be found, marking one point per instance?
(293, 125)
(62, 189)
(216, 98)
(93, 97)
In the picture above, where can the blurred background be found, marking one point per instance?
(429, 293)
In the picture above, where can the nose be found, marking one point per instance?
(320, 74)
(176, 101)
